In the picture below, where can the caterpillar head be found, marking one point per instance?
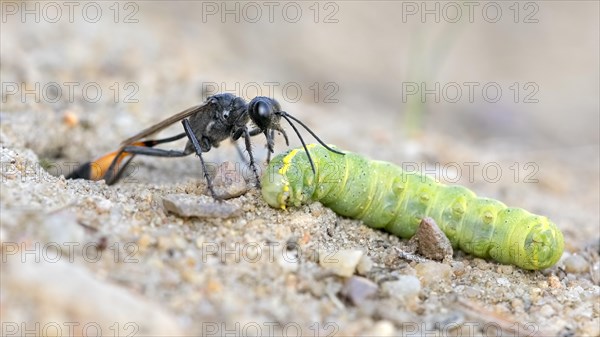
(288, 179)
(283, 182)
(543, 245)
(534, 241)
(276, 192)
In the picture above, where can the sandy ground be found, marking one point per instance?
(80, 257)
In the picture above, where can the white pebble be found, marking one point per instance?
(576, 264)
(357, 289)
(431, 272)
(503, 281)
(104, 205)
(364, 265)
(407, 287)
(382, 328)
(342, 262)
(288, 261)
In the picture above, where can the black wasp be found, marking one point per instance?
(222, 116)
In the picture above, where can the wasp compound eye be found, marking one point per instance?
(263, 110)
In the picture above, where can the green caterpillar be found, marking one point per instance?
(383, 196)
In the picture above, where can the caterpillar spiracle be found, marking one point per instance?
(383, 196)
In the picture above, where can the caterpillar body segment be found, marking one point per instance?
(383, 196)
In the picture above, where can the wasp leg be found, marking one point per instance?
(114, 174)
(243, 131)
(249, 149)
(144, 148)
(255, 132)
(270, 144)
(192, 137)
(270, 135)
(110, 179)
(108, 167)
(152, 152)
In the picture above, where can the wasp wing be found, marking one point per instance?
(165, 123)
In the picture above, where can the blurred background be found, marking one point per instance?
(501, 97)
(436, 82)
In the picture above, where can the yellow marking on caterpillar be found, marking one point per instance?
(287, 161)
(286, 188)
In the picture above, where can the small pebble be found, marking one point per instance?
(164, 243)
(481, 263)
(342, 262)
(535, 294)
(554, 282)
(191, 276)
(145, 241)
(517, 304)
(547, 311)
(103, 205)
(502, 281)
(431, 241)
(70, 119)
(357, 289)
(316, 209)
(576, 264)
(287, 260)
(364, 265)
(188, 206)
(505, 269)
(458, 268)
(472, 292)
(406, 288)
(595, 273)
(432, 272)
(381, 329)
(229, 182)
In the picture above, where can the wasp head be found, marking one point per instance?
(263, 112)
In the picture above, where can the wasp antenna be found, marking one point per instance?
(312, 165)
(283, 113)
